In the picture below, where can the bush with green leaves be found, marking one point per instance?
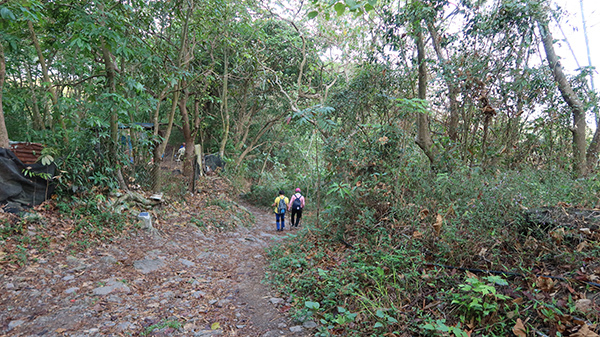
(388, 221)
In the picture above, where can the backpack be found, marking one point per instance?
(282, 206)
(297, 204)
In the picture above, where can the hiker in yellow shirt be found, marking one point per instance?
(281, 205)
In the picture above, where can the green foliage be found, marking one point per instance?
(357, 7)
(174, 324)
(9, 228)
(439, 326)
(198, 223)
(478, 299)
(379, 214)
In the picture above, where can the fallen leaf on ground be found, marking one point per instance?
(545, 284)
(581, 246)
(437, 226)
(585, 332)
(471, 275)
(519, 329)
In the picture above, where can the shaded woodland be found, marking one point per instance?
(447, 157)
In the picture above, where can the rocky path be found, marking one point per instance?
(177, 281)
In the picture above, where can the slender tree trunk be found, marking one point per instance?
(38, 122)
(224, 108)
(155, 171)
(133, 135)
(423, 133)
(262, 170)
(159, 150)
(188, 169)
(51, 109)
(570, 97)
(318, 189)
(593, 150)
(453, 91)
(3, 131)
(587, 43)
(246, 123)
(268, 125)
(163, 145)
(242, 127)
(114, 118)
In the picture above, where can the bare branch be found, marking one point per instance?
(74, 84)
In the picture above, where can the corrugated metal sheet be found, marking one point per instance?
(28, 153)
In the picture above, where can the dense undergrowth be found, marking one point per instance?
(384, 260)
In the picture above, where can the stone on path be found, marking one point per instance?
(222, 303)
(208, 333)
(276, 300)
(146, 266)
(296, 329)
(71, 290)
(273, 333)
(198, 294)
(187, 263)
(583, 305)
(125, 326)
(309, 324)
(73, 260)
(108, 260)
(112, 286)
(14, 324)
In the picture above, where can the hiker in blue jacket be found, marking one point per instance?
(281, 205)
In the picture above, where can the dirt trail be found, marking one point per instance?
(177, 281)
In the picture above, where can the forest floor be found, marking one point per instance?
(176, 280)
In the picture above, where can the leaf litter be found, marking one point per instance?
(203, 267)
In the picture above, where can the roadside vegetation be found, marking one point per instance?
(441, 254)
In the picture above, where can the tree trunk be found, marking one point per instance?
(114, 118)
(163, 145)
(318, 171)
(423, 133)
(224, 109)
(453, 91)
(244, 120)
(188, 169)
(266, 127)
(159, 150)
(156, 158)
(51, 109)
(3, 131)
(570, 97)
(592, 152)
(38, 122)
(594, 148)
